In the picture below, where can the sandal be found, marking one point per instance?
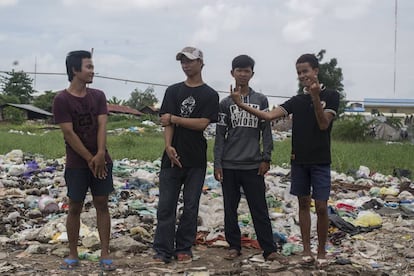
(232, 254)
(274, 256)
(107, 265)
(322, 263)
(157, 260)
(307, 260)
(183, 258)
(69, 264)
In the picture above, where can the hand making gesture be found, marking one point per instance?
(314, 87)
(236, 94)
(174, 157)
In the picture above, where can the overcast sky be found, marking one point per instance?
(138, 40)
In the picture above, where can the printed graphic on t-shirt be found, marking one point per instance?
(85, 119)
(222, 119)
(242, 118)
(187, 107)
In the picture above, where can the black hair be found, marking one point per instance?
(309, 58)
(242, 61)
(74, 62)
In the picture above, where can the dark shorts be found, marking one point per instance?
(78, 181)
(307, 178)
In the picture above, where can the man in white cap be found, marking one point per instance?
(187, 109)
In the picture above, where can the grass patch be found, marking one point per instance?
(149, 145)
(376, 155)
(49, 144)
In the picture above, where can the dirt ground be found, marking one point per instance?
(209, 261)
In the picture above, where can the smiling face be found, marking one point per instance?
(87, 71)
(306, 73)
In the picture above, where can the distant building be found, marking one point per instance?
(377, 105)
(400, 108)
(354, 107)
(150, 110)
(31, 112)
(122, 109)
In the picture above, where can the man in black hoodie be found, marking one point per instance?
(240, 162)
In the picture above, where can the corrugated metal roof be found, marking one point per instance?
(154, 109)
(123, 109)
(30, 108)
(388, 102)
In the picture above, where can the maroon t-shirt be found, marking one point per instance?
(83, 113)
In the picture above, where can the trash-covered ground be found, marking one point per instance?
(371, 233)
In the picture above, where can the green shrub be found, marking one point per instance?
(149, 117)
(394, 122)
(14, 115)
(352, 129)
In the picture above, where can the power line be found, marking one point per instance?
(126, 81)
(219, 91)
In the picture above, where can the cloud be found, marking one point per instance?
(121, 6)
(305, 15)
(300, 25)
(348, 9)
(308, 8)
(5, 3)
(351, 8)
(216, 19)
(299, 30)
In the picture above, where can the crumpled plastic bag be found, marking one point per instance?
(393, 191)
(367, 219)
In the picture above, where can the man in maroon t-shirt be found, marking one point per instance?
(81, 113)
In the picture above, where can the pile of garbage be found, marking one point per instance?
(371, 215)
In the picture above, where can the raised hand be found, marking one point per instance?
(314, 86)
(236, 94)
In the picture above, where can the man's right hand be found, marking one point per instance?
(236, 94)
(174, 158)
(218, 175)
(165, 119)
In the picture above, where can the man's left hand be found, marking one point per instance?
(263, 168)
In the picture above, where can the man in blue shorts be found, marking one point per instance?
(313, 112)
(81, 113)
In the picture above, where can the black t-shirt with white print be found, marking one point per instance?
(310, 145)
(190, 102)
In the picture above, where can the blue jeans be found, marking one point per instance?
(169, 241)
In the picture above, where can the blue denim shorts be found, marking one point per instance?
(79, 180)
(311, 178)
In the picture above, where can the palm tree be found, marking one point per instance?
(115, 100)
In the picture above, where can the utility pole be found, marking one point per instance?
(395, 43)
(35, 71)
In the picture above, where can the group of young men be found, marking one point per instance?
(242, 156)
